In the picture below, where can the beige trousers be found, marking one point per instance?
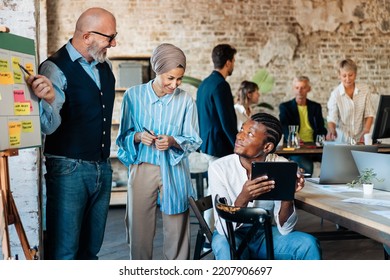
(144, 185)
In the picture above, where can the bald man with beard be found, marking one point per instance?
(77, 89)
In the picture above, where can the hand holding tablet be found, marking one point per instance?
(283, 173)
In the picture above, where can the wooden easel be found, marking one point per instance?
(11, 215)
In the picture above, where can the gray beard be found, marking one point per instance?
(96, 53)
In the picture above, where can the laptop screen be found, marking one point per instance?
(379, 162)
(338, 165)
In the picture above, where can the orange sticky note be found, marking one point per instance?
(6, 78)
(14, 128)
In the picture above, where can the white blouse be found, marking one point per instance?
(241, 115)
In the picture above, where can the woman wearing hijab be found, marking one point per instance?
(158, 129)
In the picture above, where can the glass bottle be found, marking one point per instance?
(293, 137)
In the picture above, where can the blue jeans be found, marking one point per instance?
(293, 246)
(78, 197)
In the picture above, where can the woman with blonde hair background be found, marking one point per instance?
(248, 94)
(350, 111)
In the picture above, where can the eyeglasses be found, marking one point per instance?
(111, 37)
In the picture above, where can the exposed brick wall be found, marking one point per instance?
(287, 37)
(325, 33)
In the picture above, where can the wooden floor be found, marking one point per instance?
(116, 248)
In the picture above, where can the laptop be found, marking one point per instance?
(379, 162)
(338, 165)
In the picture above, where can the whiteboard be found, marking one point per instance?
(19, 109)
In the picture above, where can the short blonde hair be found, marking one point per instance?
(348, 65)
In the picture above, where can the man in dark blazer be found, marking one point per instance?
(305, 113)
(214, 100)
(216, 114)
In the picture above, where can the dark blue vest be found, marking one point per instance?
(85, 130)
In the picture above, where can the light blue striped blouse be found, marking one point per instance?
(173, 114)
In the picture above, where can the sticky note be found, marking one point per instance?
(22, 108)
(27, 126)
(14, 140)
(19, 95)
(30, 68)
(6, 78)
(4, 67)
(18, 78)
(14, 128)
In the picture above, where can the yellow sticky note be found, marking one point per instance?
(22, 108)
(14, 140)
(15, 63)
(27, 126)
(18, 75)
(4, 67)
(18, 78)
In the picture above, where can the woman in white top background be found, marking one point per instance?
(350, 111)
(248, 94)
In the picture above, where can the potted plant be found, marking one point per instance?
(262, 78)
(366, 179)
(265, 83)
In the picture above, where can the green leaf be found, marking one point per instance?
(192, 81)
(264, 80)
(367, 176)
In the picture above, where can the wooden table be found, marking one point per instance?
(355, 217)
(304, 150)
(313, 150)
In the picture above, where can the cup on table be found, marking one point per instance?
(368, 139)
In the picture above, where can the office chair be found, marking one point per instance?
(204, 232)
(258, 217)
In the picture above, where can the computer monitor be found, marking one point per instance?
(382, 120)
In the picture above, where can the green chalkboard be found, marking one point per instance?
(19, 109)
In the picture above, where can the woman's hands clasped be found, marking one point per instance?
(161, 142)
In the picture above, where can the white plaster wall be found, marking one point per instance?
(20, 17)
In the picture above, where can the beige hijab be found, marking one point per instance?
(167, 57)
